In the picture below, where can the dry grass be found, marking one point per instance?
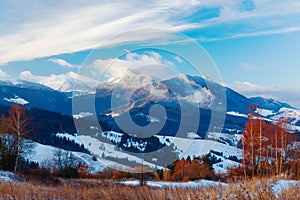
(256, 189)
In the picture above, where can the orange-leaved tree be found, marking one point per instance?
(265, 145)
(17, 125)
(253, 143)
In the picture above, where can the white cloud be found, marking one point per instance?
(276, 31)
(230, 10)
(32, 30)
(142, 63)
(28, 76)
(251, 88)
(65, 30)
(61, 62)
(3, 74)
(289, 95)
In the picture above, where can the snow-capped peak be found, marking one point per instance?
(129, 80)
(63, 83)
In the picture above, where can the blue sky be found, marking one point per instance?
(254, 43)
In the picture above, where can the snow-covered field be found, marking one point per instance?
(198, 148)
(9, 176)
(44, 155)
(293, 115)
(281, 185)
(288, 113)
(184, 148)
(191, 184)
(264, 112)
(276, 188)
(234, 138)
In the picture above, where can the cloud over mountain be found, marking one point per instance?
(291, 95)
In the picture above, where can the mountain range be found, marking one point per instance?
(141, 114)
(183, 97)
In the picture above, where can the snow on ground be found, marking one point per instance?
(264, 112)
(292, 114)
(16, 82)
(288, 113)
(236, 114)
(221, 167)
(191, 184)
(17, 100)
(268, 115)
(101, 149)
(185, 147)
(195, 148)
(70, 137)
(81, 115)
(44, 154)
(281, 185)
(234, 138)
(219, 170)
(276, 188)
(113, 136)
(9, 176)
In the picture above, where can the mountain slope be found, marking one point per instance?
(33, 95)
(269, 104)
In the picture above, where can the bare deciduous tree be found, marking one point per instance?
(13, 130)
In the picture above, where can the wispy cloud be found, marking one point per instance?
(61, 62)
(255, 33)
(65, 30)
(32, 30)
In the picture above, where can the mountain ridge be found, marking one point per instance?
(193, 92)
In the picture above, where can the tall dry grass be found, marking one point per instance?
(254, 189)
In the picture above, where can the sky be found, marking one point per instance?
(254, 44)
